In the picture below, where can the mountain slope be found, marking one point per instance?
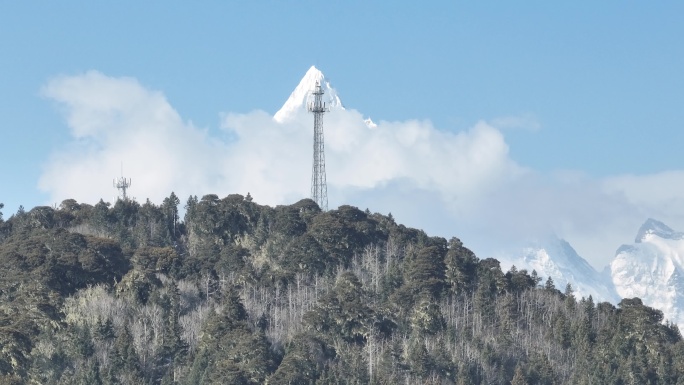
(239, 293)
(555, 258)
(652, 269)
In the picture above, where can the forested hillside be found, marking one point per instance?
(239, 293)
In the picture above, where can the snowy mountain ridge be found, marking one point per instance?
(652, 269)
(555, 258)
(654, 227)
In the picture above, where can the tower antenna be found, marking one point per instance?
(122, 184)
(319, 188)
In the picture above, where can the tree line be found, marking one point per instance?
(240, 293)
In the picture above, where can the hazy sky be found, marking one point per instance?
(496, 121)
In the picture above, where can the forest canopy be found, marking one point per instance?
(240, 293)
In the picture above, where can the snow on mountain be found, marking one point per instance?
(652, 269)
(301, 96)
(555, 258)
(370, 123)
(653, 227)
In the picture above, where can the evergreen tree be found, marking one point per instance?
(425, 271)
(549, 285)
(125, 357)
(465, 375)
(303, 362)
(343, 312)
(461, 265)
(442, 361)
(170, 209)
(83, 344)
(174, 348)
(535, 277)
(419, 360)
(105, 329)
(198, 371)
(90, 374)
(221, 299)
(519, 376)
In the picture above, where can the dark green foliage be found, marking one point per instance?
(305, 255)
(419, 360)
(348, 367)
(344, 311)
(174, 348)
(549, 285)
(158, 259)
(230, 352)
(125, 358)
(64, 261)
(461, 265)
(425, 271)
(170, 209)
(519, 281)
(443, 364)
(343, 232)
(288, 221)
(39, 267)
(198, 371)
(138, 285)
(303, 362)
(427, 318)
(540, 371)
(83, 346)
(238, 293)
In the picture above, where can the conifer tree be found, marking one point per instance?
(519, 376)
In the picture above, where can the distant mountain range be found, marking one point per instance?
(555, 258)
(651, 268)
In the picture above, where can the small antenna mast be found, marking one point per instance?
(122, 184)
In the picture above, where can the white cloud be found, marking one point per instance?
(449, 183)
(661, 193)
(576, 208)
(115, 121)
(362, 161)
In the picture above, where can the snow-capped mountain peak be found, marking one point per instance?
(657, 228)
(652, 269)
(554, 257)
(301, 96)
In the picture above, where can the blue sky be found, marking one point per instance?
(587, 96)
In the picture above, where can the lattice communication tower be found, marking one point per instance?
(122, 184)
(319, 188)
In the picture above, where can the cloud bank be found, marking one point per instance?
(115, 120)
(461, 184)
